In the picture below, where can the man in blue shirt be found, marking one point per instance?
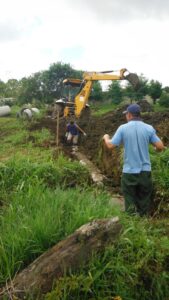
(136, 179)
(72, 132)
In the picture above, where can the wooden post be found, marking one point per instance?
(57, 130)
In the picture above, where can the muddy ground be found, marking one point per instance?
(96, 127)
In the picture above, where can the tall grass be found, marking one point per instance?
(19, 174)
(160, 170)
(17, 139)
(42, 201)
(160, 166)
(39, 217)
(158, 108)
(102, 108)
(134, 268)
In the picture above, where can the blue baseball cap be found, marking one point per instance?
(134, 109)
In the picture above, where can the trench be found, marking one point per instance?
(103, 164)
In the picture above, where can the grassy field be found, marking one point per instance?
(157, 107)
(102, 108)
(44, 199)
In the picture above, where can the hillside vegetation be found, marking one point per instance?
(45, 197)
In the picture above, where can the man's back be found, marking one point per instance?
(136, 181)
(135, 136)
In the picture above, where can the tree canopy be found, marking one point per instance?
(45, 86)
(115, 92)
(97, 93)
(155, 90)
(164, 99)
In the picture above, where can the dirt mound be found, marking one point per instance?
(145, 106)
(96, 127)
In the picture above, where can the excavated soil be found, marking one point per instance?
(96, 127)
(109, 162)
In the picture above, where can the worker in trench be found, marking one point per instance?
(136, 181)
(72, 133)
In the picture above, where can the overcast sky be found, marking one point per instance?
(91, 35)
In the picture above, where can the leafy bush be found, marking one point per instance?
(39, 217)
(160, 170)
(20, 174)
(164, 99)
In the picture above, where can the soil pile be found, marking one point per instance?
(96, 127)
(109, 162)
(145, 106)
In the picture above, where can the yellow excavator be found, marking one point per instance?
(76, 92)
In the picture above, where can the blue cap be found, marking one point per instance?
(134, 109)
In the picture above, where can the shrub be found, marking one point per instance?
(164, 99)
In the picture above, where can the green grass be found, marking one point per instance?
(39, 217)
(102, 108)
(134, 268)
(40, 136)
(160, 167)
(43, 200)
(19, 174)
(159, 108)
(160, 172)
(16, 139)
(98, 109)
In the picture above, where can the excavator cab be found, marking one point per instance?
(71, 87)
(67, 105)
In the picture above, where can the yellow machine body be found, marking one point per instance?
(76, 105)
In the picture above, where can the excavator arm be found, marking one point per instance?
(105, 75)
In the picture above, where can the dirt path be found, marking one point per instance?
(95, 173)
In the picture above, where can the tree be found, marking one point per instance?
(155, 90)
(12, 88)
(96, 93)
(164, 99)
(55, 76)
(166, 89)
(30, 89)
(46, 85)
(2, 88)
(139, 93)
(129, 92)
(142, 89)
(115, 92)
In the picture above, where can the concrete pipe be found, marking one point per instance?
(35, 110)
(27, 113)
(5, 110)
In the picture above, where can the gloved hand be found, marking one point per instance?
(84, 134)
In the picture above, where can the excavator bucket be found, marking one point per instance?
(133, 79)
